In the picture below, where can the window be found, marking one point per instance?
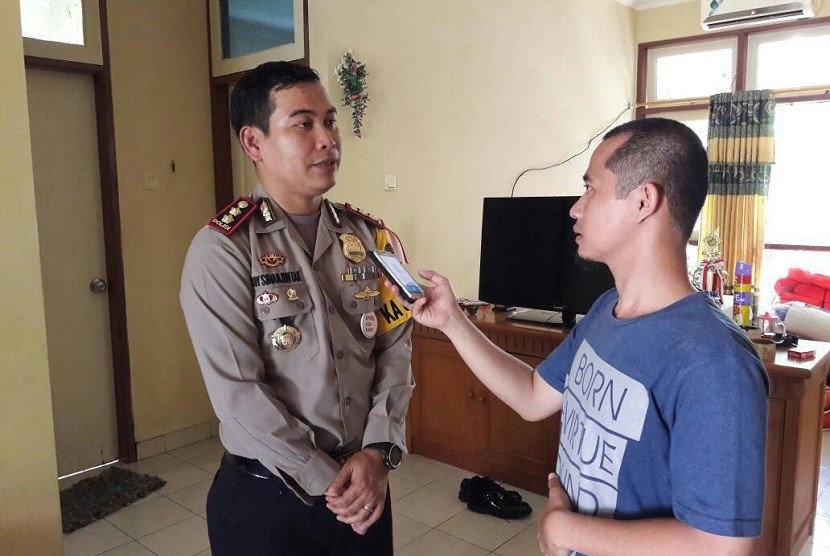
(250, 26)
(62, 30)
(691, 70)
(246, 33)
(789, 60)
(53, 20)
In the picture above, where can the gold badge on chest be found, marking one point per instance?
(286, 337)
(366, 293)
(352, 248)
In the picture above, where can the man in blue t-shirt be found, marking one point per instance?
(663, 399)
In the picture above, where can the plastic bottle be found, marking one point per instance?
(742, 296)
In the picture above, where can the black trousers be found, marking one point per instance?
(250, 516)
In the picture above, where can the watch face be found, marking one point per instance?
(395, 456)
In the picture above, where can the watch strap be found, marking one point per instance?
(386, 449)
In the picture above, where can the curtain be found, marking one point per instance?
(741, 153)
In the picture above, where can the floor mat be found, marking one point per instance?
(96, 497)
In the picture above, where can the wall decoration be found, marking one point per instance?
(351, 76)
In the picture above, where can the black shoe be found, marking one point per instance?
(497, 503)
(484, 484)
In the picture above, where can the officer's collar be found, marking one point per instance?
(271, 217)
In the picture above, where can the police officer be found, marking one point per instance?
(304, 353)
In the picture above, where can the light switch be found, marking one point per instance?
(151, 182)
(390, 182)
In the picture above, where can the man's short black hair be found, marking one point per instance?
(670, 155)
(251, 102)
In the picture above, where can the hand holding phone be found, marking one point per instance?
(392, 268)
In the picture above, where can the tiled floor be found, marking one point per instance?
(428, 517)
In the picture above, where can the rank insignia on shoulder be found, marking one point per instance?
(228, 220)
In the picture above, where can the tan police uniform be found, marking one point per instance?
(304, 358)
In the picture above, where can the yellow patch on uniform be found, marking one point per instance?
(391, 313)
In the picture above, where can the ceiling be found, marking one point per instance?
(648, 4)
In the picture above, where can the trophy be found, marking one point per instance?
(710, 275)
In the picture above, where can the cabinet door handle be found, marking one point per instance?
(470, 394)
(480, 399)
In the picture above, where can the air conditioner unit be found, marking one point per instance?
(726, 14)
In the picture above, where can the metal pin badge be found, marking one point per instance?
(286, 338)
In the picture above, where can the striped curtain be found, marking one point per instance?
(741, 153)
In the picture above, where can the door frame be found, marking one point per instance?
(111, 216)
(220, 117)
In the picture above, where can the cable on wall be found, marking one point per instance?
(554, 165)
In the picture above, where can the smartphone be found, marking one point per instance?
(392, 268)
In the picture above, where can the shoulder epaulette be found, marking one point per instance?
(390, 239)
(228, 220)
(365, 215)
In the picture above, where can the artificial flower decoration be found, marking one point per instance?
(351, 75)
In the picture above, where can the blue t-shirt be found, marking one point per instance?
(664, 415)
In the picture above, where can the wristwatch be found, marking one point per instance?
(391, 453)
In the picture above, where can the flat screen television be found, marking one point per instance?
(529, 260)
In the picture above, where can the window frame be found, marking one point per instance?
(91, 52)
(645, 107)
(223, 67)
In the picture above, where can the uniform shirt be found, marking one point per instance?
(664, 415)
(337, 391)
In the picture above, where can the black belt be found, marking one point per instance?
(255, 468)
(250, 466)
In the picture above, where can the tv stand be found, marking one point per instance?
(545, 318)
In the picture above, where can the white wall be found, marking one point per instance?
(29, 510)
(465, 94)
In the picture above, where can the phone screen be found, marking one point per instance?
(398, 275)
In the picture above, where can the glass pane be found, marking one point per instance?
(799, 191)
(691, 70)
(790, 59)
(53, 20)
(254, 25)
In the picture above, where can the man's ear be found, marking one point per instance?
(250, 138)
(650, 198)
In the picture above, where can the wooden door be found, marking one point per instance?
(68, 198)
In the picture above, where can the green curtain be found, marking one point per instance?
(741, 152)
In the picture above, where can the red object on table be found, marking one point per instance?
(801, 353)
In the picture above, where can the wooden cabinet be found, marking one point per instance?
(453, 418)
(793, 450)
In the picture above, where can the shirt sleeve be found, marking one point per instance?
(554, 369)
(392, 387)
(718, 447)
(216, 298)
(393, 384)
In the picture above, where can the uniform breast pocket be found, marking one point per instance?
(287, 323)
